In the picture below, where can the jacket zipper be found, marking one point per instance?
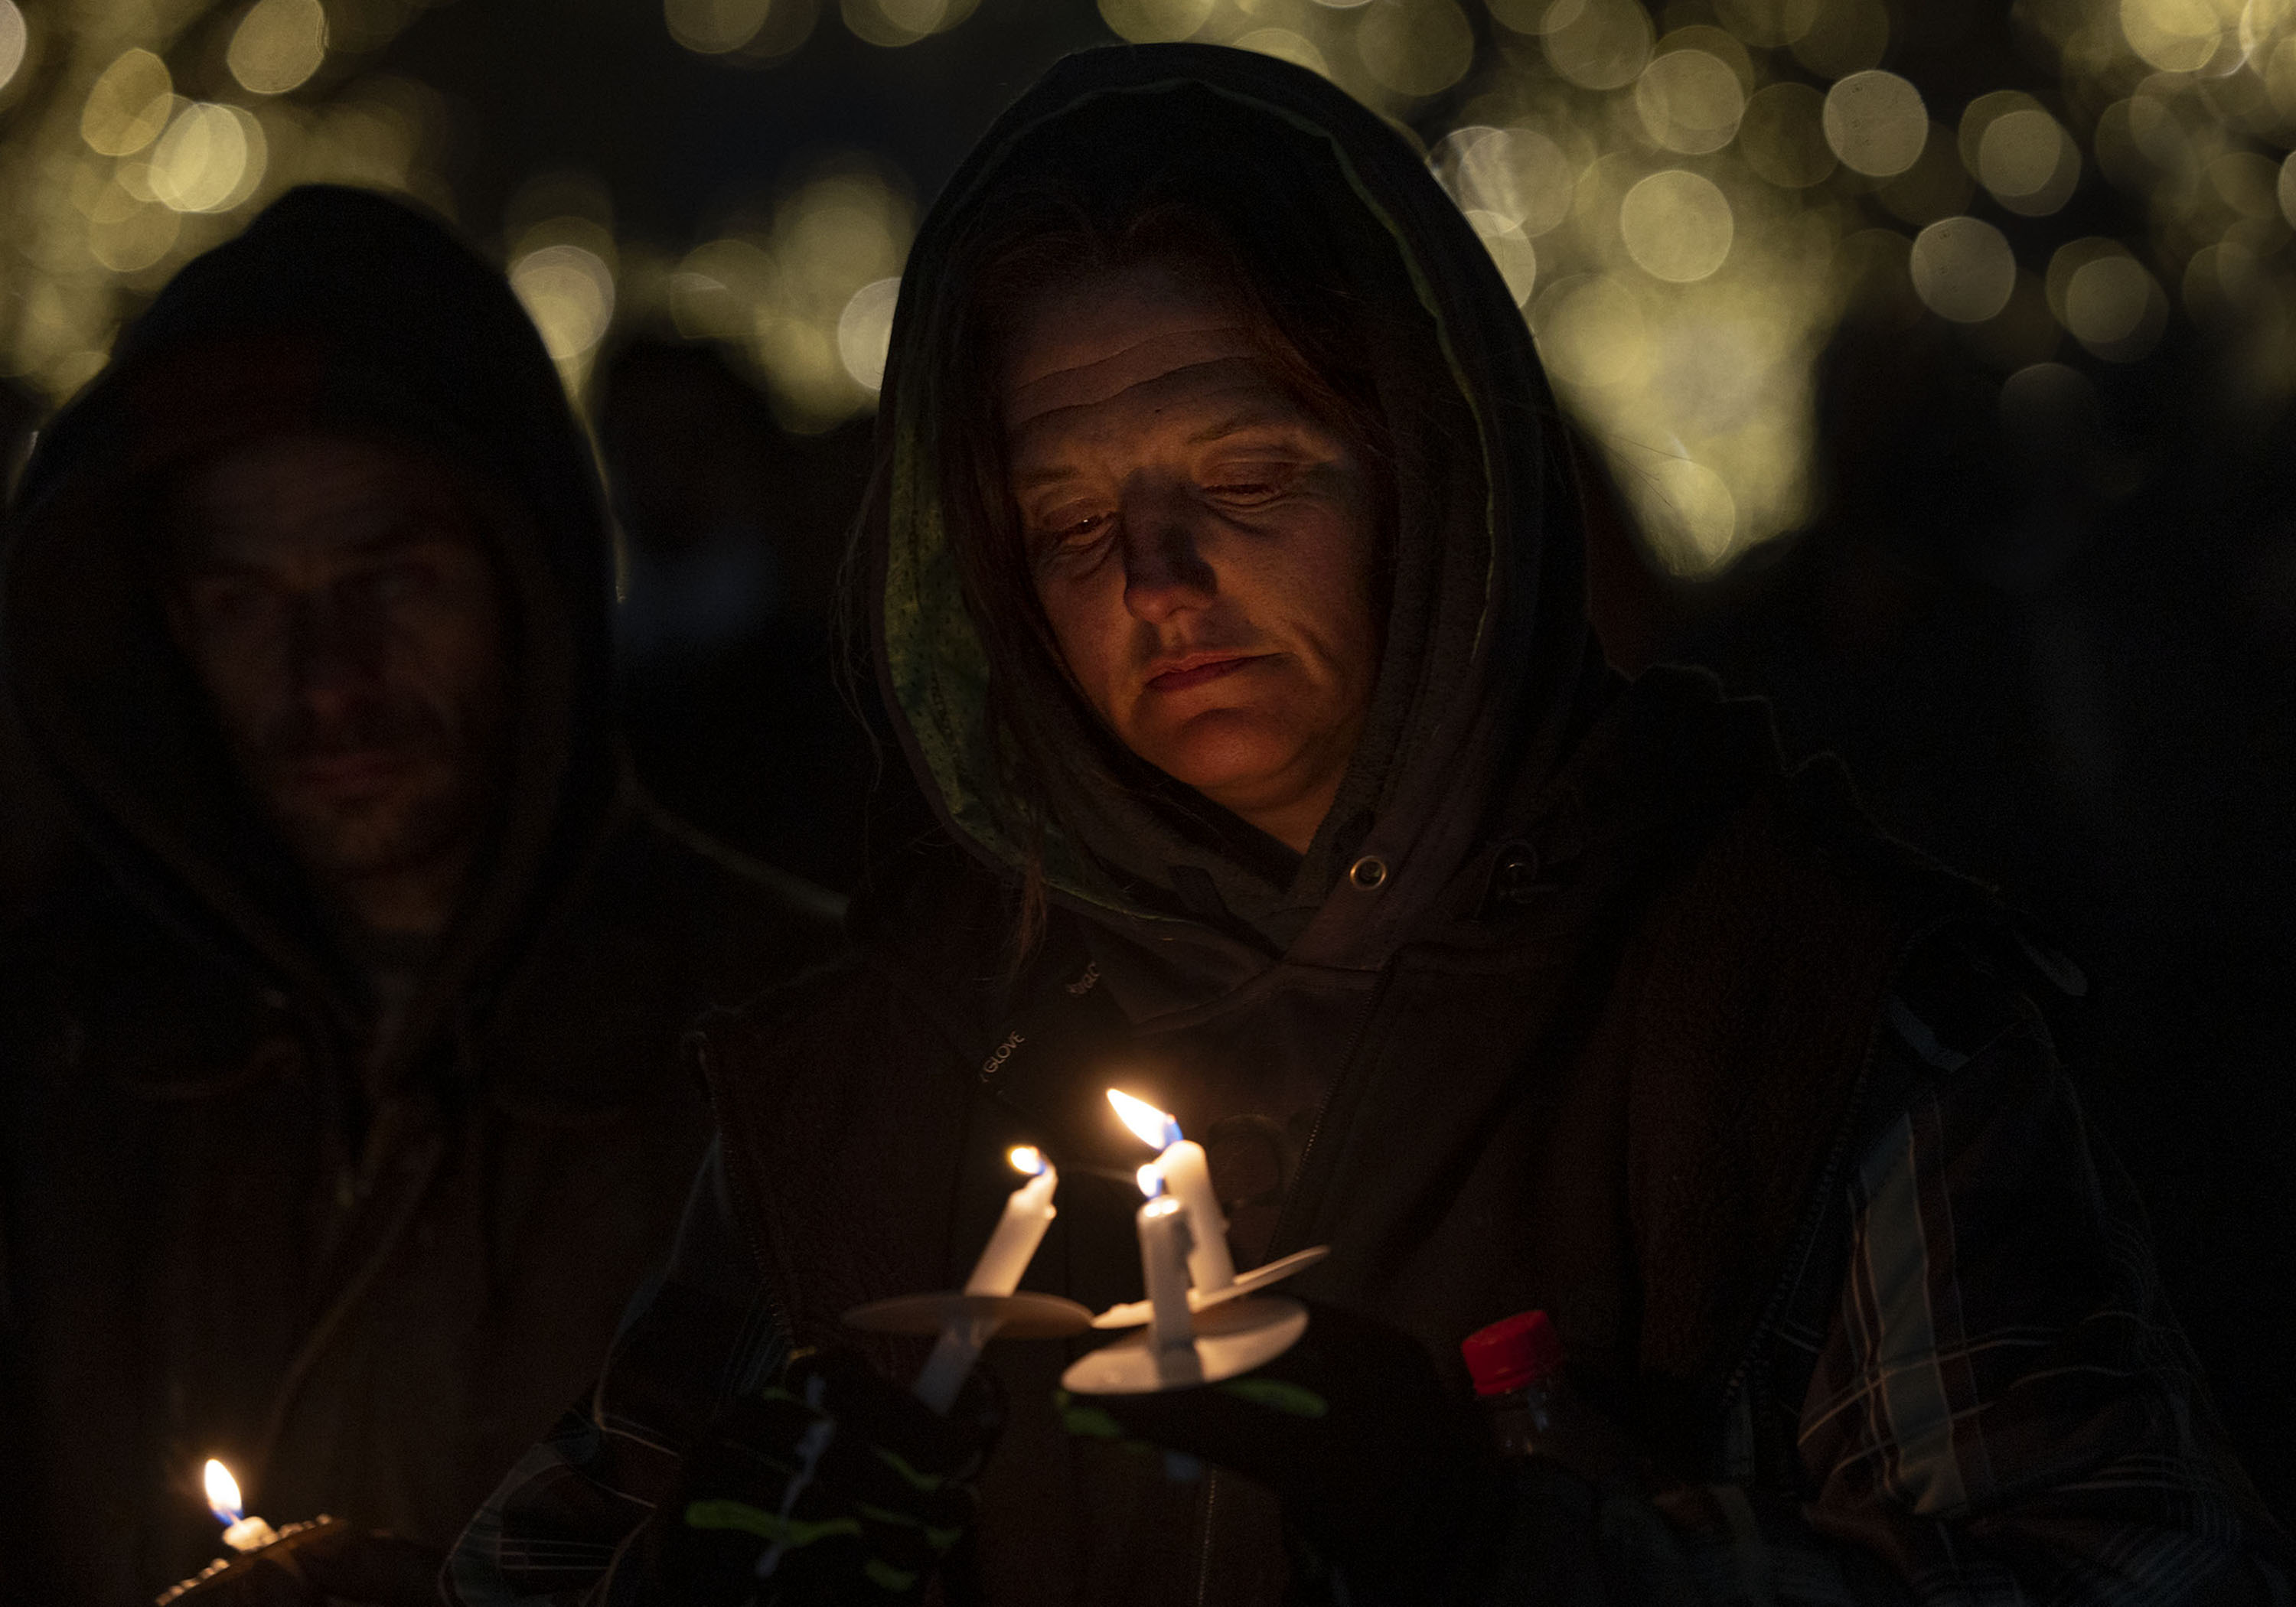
(1296, 1203)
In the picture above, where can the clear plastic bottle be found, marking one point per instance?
(1517, 1365)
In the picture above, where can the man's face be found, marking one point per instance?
(336, 600)
(1202, 545)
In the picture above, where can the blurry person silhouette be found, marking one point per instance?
(2047, 614)
(342, 1113)
(730, 696)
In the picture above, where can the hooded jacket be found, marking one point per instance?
(234, 1228)
(1581, 1000)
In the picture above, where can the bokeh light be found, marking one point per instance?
(1690, 101)
(14, 38)
(805, 293)
(1590, 331)
(278, 45)
(892, 24)
(1415, 47)
(140, 135)
(1155, 21)
(715, 27)
(1684, 201)
(864, 332)
(1517, 175)
(751, 31)
(2114, 308)
(1676, 225)
(1596, 44)
(1700, 520)
(2181, 36)
(1512, 253)
(1963, 269)
(1285, 46)
(569, 292)
(129, 104)
(1875, 122)
(2028, 162)
(1769, 23)
(209, 160)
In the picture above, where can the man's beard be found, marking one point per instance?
(428, 808)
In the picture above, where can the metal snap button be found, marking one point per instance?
(1516, 878)
(1368, 872)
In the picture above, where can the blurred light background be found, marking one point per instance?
(1940, 354)
(1684, 202)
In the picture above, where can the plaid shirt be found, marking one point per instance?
(1972, 1392)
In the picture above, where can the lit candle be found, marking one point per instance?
(1188, 1176)
(1163, 1228)
(240, 1533)
(1027, 1213)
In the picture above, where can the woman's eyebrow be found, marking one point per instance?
(1233, 424)
(1030, 479)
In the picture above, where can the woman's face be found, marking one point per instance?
(1202, 543)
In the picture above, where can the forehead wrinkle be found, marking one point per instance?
(1239, 388)
(1139, 362)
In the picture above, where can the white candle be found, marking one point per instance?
(1164, 1234)
(1188, 1176)
(240, 1533)
(1027, 1213)
(250, 1534)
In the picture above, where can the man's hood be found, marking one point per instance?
(1489, 669)
(336, 309)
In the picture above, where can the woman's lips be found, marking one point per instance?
(1197, 674)
(341, 777)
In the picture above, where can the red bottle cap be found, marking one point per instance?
(1512, 1353)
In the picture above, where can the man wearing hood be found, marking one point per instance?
(1228, 597)
(343, 1110)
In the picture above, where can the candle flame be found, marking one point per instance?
(1027, 1158)
(1153, 1127)
(1151, 1180)
(1164, 1207)
(222, 1491)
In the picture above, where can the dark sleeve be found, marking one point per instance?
(2001, 1408)
(702, 1332)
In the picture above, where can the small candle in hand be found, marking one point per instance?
(1163, 1227)
(1027, 1213)
(240, 1533)
(1188, 1176)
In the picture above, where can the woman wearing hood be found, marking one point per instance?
(1227, 592)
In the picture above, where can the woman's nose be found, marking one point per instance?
(1167, 567)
